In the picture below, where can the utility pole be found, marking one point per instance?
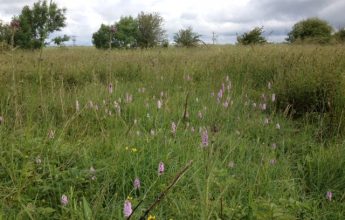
(214, 38)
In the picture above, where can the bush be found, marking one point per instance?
(312, 30)
(252, 37)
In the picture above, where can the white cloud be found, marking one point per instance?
(224, 17)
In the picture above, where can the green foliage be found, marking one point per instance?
(5, 36)
(59, 41)
(340, 36)
(127, 32)
(187, 38)
(37, 23)
(151, 32)
(311, 30)
(104, 38)
(254, 36)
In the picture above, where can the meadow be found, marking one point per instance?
(243, 133)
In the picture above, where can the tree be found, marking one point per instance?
(5, 32)
(340, 36)
(312, 30)
(127, 32)
(59, 41)
(38, 22)
(150, 30)
(187, 38)
(254, 36)
(105, 38)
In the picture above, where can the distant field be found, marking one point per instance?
(264, 127)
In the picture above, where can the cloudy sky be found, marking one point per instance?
(224, 17)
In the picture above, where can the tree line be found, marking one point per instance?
(32, 28)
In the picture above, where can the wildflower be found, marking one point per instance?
(129, 98)
(200, 114)
(220, 95)
(77, 107)
(127, 208)
(138, 133)
(90, 104)
(273, 97)
(269, 85)
(159, 104)
(197, 99)
(273, 161)
(162, 94)
(134, 150)
(152, 132)
(92, 170)
(226, 104)
(161, 168)
(263, 106)
(93, 173)
(117, 107)
(110, 88)
(274, 146)
(329, 195)
(254, 105)
(192, 129)
(38, 160)
(231, 164)
(266, 121)
(204, 138)
(136, 183)
(151, 217)
(278, 126)
(51, 134)
(64, 200)
(173, 128)
(1, 120)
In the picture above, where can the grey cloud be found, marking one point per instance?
(188, 16)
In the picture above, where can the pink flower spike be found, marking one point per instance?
(173, 128)
(64, 200)
(136, 183)
(329, 195)
(127, 208)
(110, 88)
(161, 168)
(204, 138)
(273, 97)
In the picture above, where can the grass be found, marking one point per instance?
(249, 170)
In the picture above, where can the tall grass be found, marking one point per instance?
(249, 170)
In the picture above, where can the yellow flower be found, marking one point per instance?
(134, 150)
(151, 217)
(129, 198)
(127, 148)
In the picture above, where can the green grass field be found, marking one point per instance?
(273, 116)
